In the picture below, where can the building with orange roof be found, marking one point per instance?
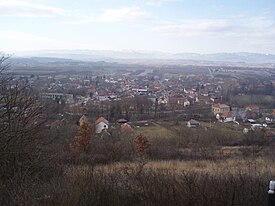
(101, 124)
(220, 108)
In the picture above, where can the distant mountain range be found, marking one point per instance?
(109, 55)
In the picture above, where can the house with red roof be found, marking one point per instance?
(220, 108)
(101, 124)
(126, 128)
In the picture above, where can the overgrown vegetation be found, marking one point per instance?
(24, 162)
(134, 184)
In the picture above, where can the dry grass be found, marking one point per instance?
(231, 166)
(256, 166)
(173, 182)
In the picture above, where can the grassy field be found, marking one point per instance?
(154, 130)
(169, 129)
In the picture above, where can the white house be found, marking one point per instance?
(162, 100)
(186, 103)
(226, 117)
(101, 124)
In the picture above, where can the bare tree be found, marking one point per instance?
(21, 145)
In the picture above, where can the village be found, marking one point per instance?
(197, 99)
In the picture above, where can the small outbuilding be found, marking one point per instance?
(193, 123)
(122, 121)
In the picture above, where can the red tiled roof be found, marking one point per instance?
(227, 114)
(126, 128)
(101, 119)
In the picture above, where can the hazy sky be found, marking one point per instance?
(203, 26)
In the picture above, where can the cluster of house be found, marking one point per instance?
(250, 114)
(102, 125)
(173, 92)
(169, 91)
(224, 113)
